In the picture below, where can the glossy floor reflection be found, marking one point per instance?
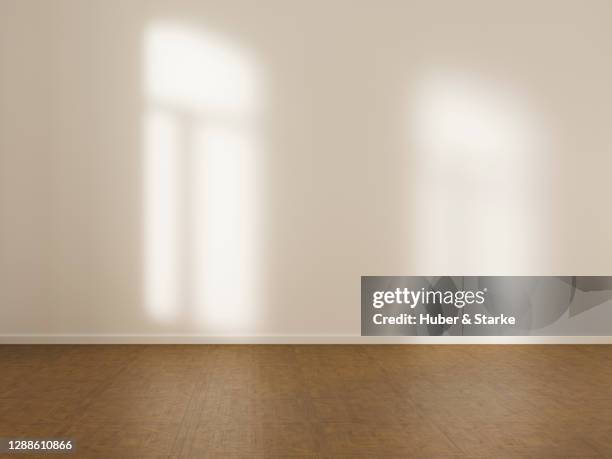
(312, 401)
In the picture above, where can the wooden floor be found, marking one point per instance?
(312, 401)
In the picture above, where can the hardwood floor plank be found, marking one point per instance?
(312, 401)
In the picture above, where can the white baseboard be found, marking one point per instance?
(296, 339)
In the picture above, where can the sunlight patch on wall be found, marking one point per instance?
(161, 215)
(191, 70)
(200, 190)
(224, 228)
(479, 184)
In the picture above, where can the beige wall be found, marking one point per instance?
(393, 137)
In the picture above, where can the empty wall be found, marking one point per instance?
(233, 167)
